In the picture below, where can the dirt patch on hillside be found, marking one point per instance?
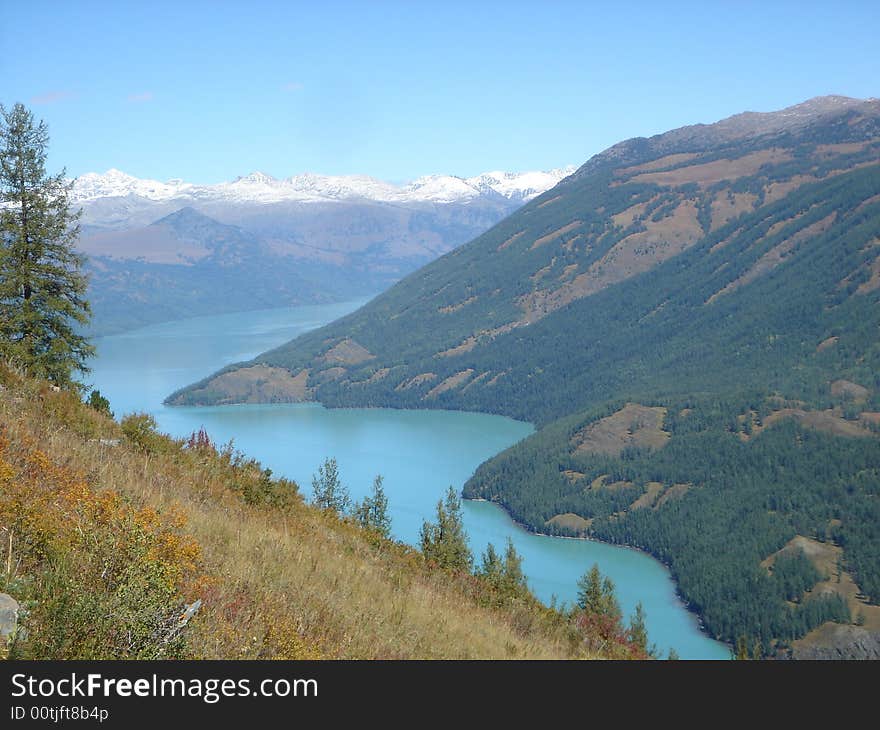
(852, 391)
(380, 374)
(776, 255)
(778, 190)
(330, 374)
(555, 234)
(455, 307)
(727, 206)
(709, 173)
(828, 560)
(823, 555)
(633, 425)
(453, 381)
(547, 202)
(414, 381)
(627, 217)
(841, 148)
(466, 345)
(826, 343)
(632, 255)
(676, 491)
(571, 522)
(260, 384)
(509, 241)
(658, 164)
(601, 483)
(348, 352)
(652, 491)
(826, 421)
(542, 272)
(496, 378)
(479, 379)
(471, 341)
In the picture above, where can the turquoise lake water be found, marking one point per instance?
(418, 453)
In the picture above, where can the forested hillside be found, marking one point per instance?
(692, 320)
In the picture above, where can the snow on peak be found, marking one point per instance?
(115, 183)
(520, 185)
(258, 187)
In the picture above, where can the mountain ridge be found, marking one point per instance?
(311, 187)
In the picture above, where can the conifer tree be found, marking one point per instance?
(42, 287)
(596, 594)
(445, 541)
(638, 630)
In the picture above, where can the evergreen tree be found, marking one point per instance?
(101, 404)
(329, 492)
(514, 577)
(596, 594)
(372, 513)
(491, 566)
(42, 287)
(505, 573)
(638, 630)
(445, 541)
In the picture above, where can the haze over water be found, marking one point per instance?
(419, 454)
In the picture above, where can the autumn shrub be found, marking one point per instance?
(98, 578)
(140, 430)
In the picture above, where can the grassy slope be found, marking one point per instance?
(283, 581)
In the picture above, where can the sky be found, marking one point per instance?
(207, 91)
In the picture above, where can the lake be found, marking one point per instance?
(418, 453)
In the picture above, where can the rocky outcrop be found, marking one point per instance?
(9, 610)
(839, 642)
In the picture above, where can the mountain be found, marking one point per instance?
(309, 238)
(308, 187)
(187, 264)
(691, 320)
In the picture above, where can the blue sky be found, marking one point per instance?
(207, 91)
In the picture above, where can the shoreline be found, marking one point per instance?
(684, 603)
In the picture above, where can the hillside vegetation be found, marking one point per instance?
(120, 542)
(692, 321)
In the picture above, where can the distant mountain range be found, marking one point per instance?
(311, 188)
(692, 320)
(160, 251)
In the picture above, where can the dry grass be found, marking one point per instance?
(348, 352)
(633, 425)
(292, 582)
(570, 521)
(776, 255)
(630, 256)
(453, 381)
(258, 384)
(652, 491)
(827, 558)
(709, 173)
(555, 234)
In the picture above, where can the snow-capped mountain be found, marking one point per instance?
(178, 249)
(308, 187)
